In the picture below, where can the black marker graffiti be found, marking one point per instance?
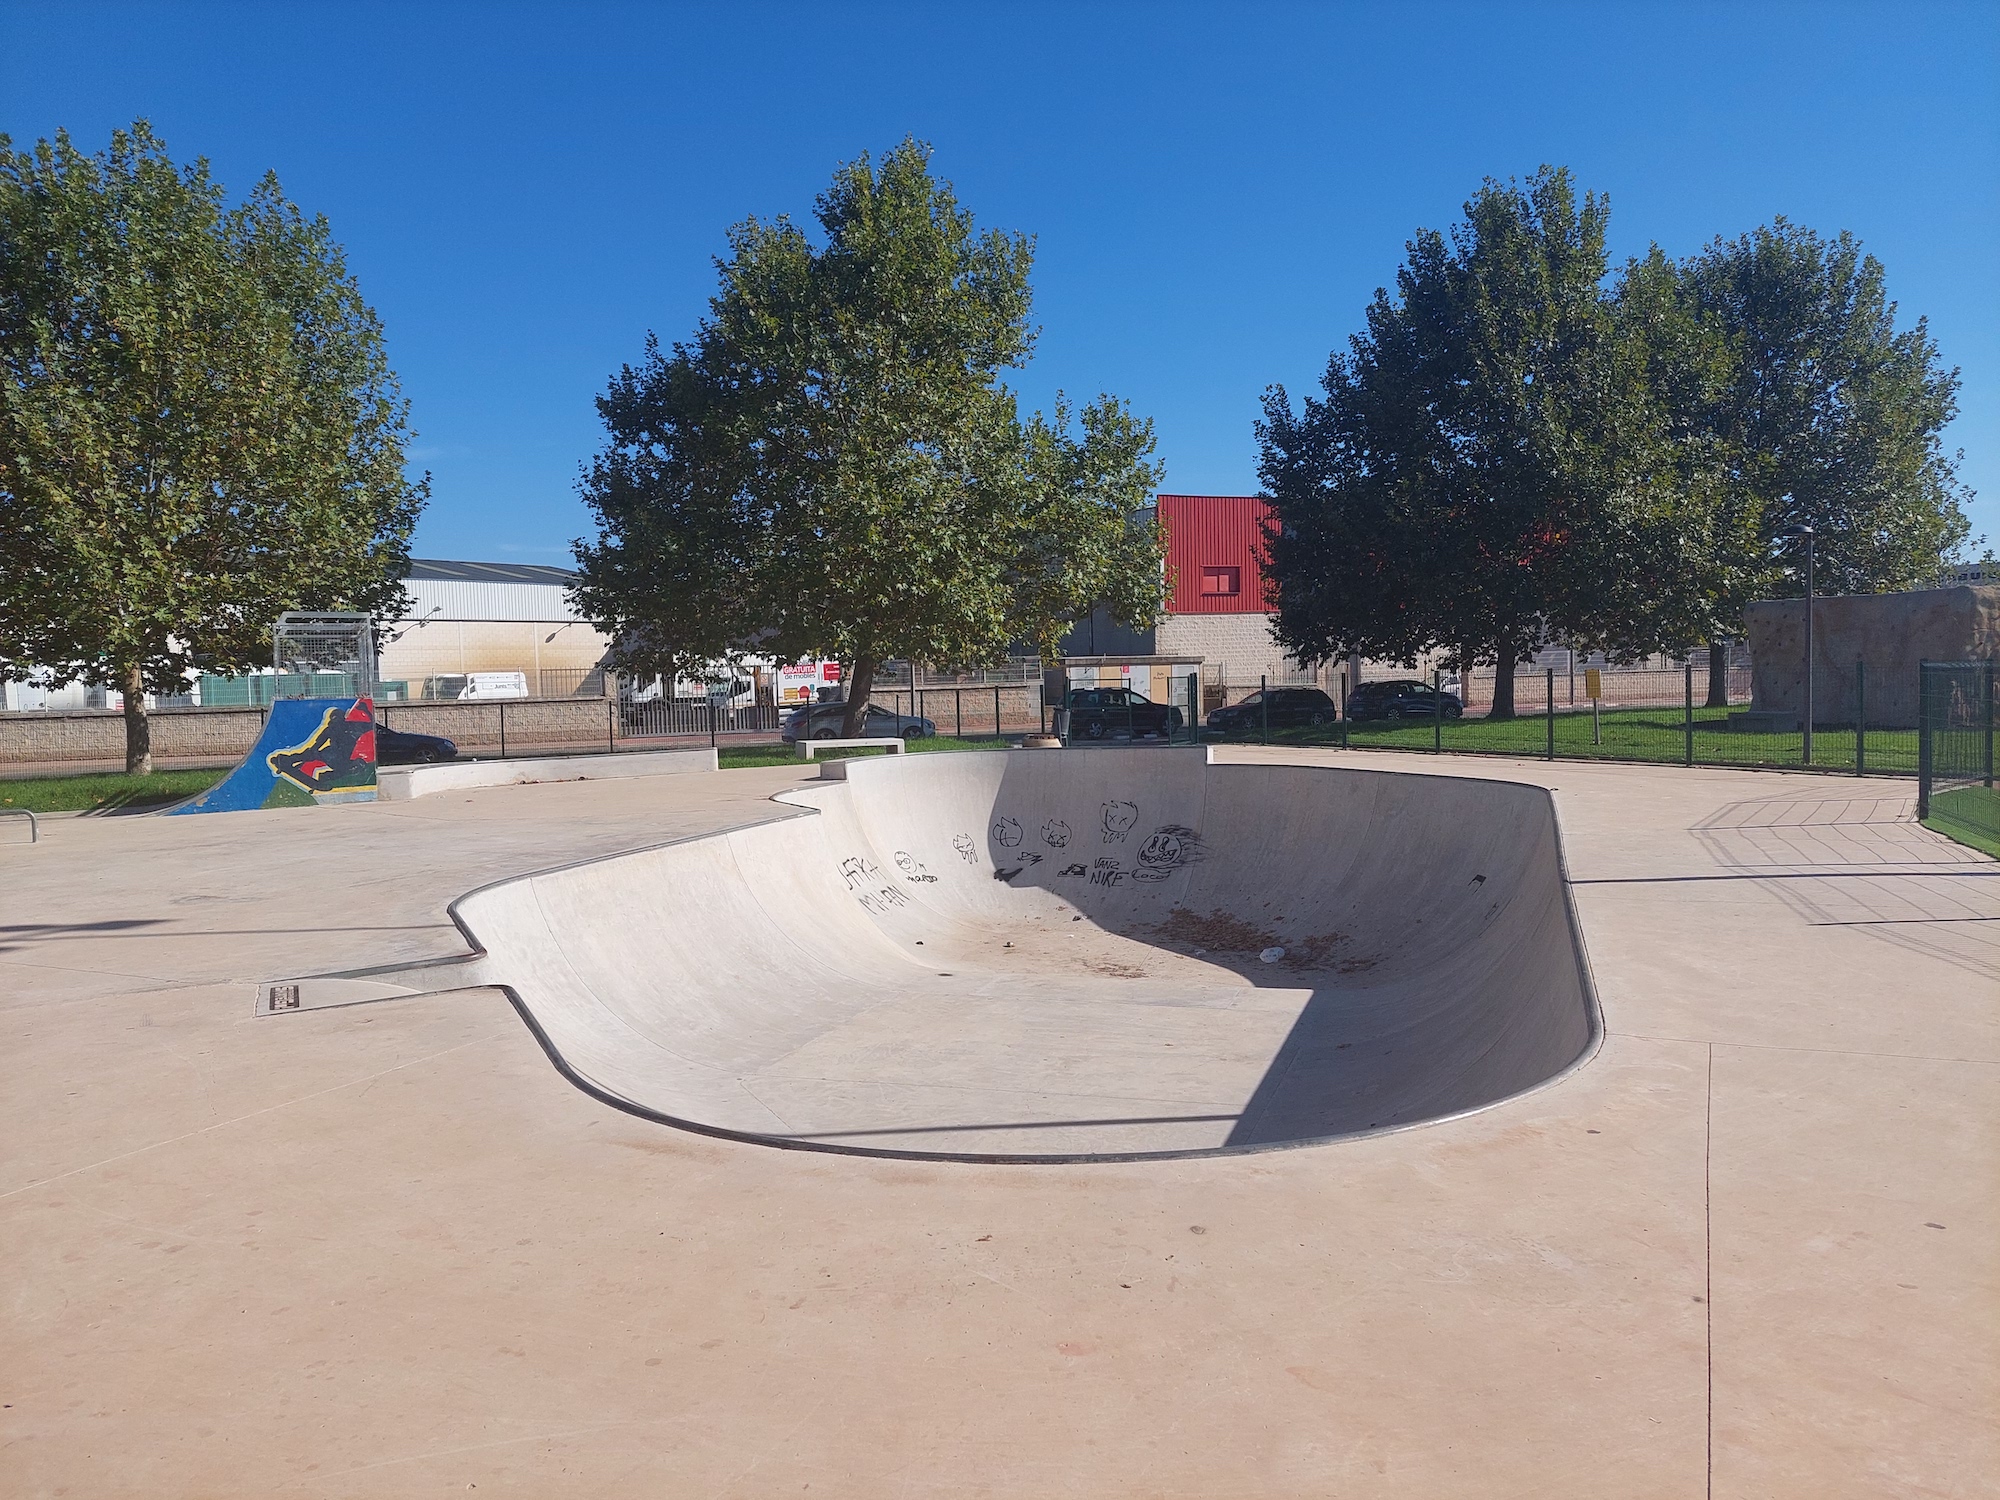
(1006, 833)
(967, 851)
(1073, 870)
(1120, 818)
(1108, 872)
(1055, 833)
(1166, 850)
(865, 882)
(912, 868)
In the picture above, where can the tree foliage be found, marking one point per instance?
(1835, 417)
(1523, 446)
(833, 466)
(198, 426)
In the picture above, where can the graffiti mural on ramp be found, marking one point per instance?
(312, 751)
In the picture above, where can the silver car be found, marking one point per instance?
(876, 724)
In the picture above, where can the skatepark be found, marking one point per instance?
(743, 1132)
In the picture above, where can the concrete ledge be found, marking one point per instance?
(402, 783)
(890, 743)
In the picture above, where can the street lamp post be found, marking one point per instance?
(1807, 533)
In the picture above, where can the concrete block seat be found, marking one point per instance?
(1062, 955)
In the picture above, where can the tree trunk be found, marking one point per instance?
(860, 683)
(138, 730)
(1718, 674)
(1503, 682)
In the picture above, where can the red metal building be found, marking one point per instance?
(1215, 554)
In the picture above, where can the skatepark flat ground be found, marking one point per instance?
(1748, 1250)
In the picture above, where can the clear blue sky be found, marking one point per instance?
(524, 191)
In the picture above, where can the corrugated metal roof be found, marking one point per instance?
(456, 599)
(1215, 554)
(438, 570)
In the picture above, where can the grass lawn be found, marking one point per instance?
(1635, 734)
(104, 791)
(736, 757)
(1970, 815)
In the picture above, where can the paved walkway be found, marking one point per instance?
(1750, 1250)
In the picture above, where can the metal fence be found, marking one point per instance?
(1659, 714)
(968, 712)
(1955, 750)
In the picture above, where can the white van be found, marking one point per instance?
(484, 685)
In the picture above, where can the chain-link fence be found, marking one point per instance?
(1955, 790)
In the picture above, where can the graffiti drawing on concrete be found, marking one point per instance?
(1055, 833)
(1120, 818)
(864, 879)
(1166, 850)
(1006, 833)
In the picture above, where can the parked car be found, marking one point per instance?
(1280, 708)
(1100, 713)
(876, 724)
(1401, 698)
(394, 747)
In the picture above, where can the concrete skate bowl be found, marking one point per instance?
(1063, 956)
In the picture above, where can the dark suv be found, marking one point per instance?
(1403, 698)
(1100, 713)
(1279, 708)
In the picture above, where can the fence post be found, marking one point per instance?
(1264, 706)
(1923, 741)
(711, 721)
(1989, 721)
(611, 726)
(1860, 717)
(958, 712)
(996, 713)
(503, 731)
(1437, 711)
(1549, 707)
(1687, 709)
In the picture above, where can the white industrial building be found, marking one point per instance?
(468, 617)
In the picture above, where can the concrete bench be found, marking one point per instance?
(893, 745)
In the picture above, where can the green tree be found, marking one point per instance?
(1483, 455)
(1678, 547)
(1834, 416)
(833, 466)
(198, 427)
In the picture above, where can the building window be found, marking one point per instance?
(1221, 581)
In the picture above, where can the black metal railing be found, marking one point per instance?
(1955, 792)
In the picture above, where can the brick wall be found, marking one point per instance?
(555, 722)
(1238, 647)
(99, 735)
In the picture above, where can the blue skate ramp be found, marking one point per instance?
(312, 751)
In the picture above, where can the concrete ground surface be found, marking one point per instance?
(1748, 1250)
